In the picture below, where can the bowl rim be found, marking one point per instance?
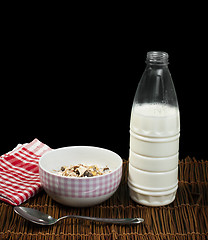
(80, 178)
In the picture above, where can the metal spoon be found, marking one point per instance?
(41, 218)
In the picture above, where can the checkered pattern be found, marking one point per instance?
(80, 187)
(19, 172)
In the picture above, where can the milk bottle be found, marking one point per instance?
(154, 135)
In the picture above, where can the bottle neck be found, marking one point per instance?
(157, 58)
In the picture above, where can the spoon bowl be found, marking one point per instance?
(41, 218)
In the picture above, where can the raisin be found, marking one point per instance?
(77, 172)
(105, 169)
(87, 173)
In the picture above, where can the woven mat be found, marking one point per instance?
(185, 218)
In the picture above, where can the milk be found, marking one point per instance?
(155, 120)
(153, 160)
(154, 147)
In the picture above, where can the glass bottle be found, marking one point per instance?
(154, 135)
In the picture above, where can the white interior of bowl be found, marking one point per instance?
(88, 155)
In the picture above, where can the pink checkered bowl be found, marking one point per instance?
(85, 191)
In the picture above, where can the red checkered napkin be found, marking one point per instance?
(19, 172)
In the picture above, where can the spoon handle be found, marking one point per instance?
(107, 220)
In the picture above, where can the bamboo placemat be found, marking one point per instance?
(185, 218)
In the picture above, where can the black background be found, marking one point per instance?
(74, 83)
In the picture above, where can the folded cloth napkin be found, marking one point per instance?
(19, 172)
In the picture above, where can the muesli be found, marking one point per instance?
(82, 170)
